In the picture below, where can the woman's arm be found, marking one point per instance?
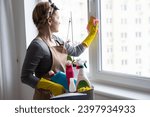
(71, 50)
(32, 59)
(75, 51)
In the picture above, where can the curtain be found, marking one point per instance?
(9, 77)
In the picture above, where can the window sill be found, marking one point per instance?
(119, 92)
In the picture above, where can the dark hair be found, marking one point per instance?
(42, 12)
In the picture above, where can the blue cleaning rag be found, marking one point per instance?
(60, 78)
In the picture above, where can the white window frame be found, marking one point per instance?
(103, 77)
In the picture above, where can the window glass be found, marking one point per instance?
(125, 36)
(73, 19)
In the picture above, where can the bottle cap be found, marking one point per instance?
(51, 73)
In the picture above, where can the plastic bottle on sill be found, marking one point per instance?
(82, 79)
(72, 86)
(69, 71)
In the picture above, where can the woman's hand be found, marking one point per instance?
(93, 29)
(54, 88)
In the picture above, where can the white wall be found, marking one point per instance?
(30, 33)
(19, 26)
(22, 10)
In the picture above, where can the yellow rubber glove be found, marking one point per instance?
(92, 28)
(54, 88)
(90, 23)
(93, 31)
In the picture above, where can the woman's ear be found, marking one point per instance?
(49, 21)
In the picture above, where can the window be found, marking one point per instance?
(73, 19)
(132, 31)
(121, 53)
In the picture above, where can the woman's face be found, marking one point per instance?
(55, 22)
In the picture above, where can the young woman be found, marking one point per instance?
(48, 52)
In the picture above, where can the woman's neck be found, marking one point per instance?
(45, 33)
(47, 38)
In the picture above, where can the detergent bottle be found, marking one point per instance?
(82, 80)
(72, 86)
(69, 71)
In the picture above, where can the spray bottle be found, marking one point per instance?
(69, 71)
(83, 83)
(70, 76)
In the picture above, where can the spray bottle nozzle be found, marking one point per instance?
(85, 64)
(81, 65)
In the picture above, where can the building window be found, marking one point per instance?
(126, 27)
(120, 54)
